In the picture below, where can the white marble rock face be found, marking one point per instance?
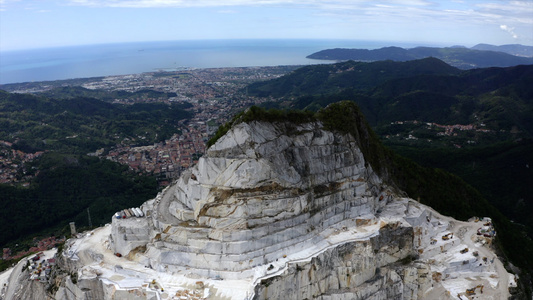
(261, 191)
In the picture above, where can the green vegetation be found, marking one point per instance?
(256, 113)
(67, 182)
(66, 186)
(425, 90)
(328, 79)
(82, 125)
(70, 92)
(501, 172)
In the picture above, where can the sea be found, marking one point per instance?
(132, 58)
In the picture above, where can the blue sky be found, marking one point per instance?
(26, 24)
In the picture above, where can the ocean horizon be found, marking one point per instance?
(86, 61)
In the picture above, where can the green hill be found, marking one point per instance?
(514, 49)
(69, 92)
(82, 125)
(426, 90)
(62, 191)
(459, 57)
(325, 79)
(66, 181)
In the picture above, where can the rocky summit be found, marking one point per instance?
(277, 210)
(262, 192)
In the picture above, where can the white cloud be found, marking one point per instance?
(174, 3)
(332, 4)
(5, 3)
(486, 11)
(510, 30)
(511, 11)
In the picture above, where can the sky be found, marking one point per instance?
(30, 24)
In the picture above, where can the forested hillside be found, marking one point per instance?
(61, 182)
(62, 191)
(327, 79)
(69, 92)
(82, 125)
(425, 90)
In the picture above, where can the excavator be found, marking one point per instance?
(447, 236)
(472, 291)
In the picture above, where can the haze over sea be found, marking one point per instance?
(131, 58)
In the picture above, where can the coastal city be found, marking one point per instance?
(214, 96)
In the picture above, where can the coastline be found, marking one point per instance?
(88, 61)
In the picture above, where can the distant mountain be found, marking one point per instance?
(426, 90)
(514, 49)
(327, 79)
(459, 57)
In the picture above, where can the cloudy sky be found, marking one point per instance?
(28, 24)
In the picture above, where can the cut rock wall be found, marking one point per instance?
(355, 270)
(260, 192)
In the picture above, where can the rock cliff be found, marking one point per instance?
(261, 192)
(277, 210)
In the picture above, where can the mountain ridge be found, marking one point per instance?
(462, 58)
(499, 98)
(350, 74)
(514, 49)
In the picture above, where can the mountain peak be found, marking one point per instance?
(280, 208)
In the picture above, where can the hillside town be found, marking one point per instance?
(39, 246)
(456, 135)
(13, 164)
(214, 96)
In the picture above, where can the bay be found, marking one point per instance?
(131, 58)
